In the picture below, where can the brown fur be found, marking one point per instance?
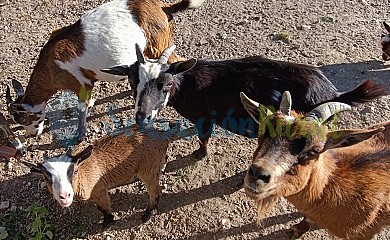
(66, 43)
(158, 30)
(345, 190)
(117, 160)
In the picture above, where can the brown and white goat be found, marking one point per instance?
(103, 37)
(338, 179)
(385, 42)
(4, 126)
(111, 162)
(207, 92)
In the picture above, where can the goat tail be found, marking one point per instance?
(366, 92)
(176, 134)
(182, 5)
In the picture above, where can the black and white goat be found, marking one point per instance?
(208, 92)
(73, 55)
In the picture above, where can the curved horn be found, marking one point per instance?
(140, 55)
(324, 111)
(285, 104)
(8, 97)
(165, 55)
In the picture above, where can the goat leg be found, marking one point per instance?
(154, 190)
(83, 108)
(150, 211)
(204, 133)
(297, 230)
(103, 202)
(108, 218)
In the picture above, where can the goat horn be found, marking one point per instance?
(165, 55)
(324, 111)
(285, 104)
(140, 55)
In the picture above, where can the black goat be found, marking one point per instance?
(208, 92)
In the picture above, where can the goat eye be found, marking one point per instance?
(315, 150)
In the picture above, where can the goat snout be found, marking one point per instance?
(141, 119)
(65, 198)
(256, 174)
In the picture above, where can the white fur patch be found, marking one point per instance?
(39, 111)
(195, 3)
(58, 168)
(110, 33)
(151, 69)
(32, 130)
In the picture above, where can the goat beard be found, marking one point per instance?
(264, 206)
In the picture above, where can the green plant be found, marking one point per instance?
(327, 19)
(4, 234)
(11, 221)
(39, 226)
(182, 172)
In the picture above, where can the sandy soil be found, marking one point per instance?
(201, 199)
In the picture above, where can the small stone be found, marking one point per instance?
(13, 208)
(4, 205)
(28, 184)
(366, 110)
(226, 224)
(10, 165)
(43, 184)
(37, 195)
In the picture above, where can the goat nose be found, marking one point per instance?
(259, 174)
(64, 195)
(139, 117)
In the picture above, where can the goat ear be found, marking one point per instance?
(8, 97)
(39, 168)
(181, 67)
(349, 137)
(83, 154)
(118, 70)
(18, 88)
(140, 54)
(387, 27)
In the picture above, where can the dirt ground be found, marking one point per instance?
(201, 199)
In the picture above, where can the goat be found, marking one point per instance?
(339, 179)
(207, 92)
(73, 55)
(113, 161)
(17, 150)
(385, 42)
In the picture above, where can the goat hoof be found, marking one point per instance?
(295, 233)
(199, 153)
(108, 221)
(148, 214)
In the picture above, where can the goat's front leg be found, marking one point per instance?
(205, 130)
(103, 202)
(297, 230)
(83, 110)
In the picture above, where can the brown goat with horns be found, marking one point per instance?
(338, 179)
